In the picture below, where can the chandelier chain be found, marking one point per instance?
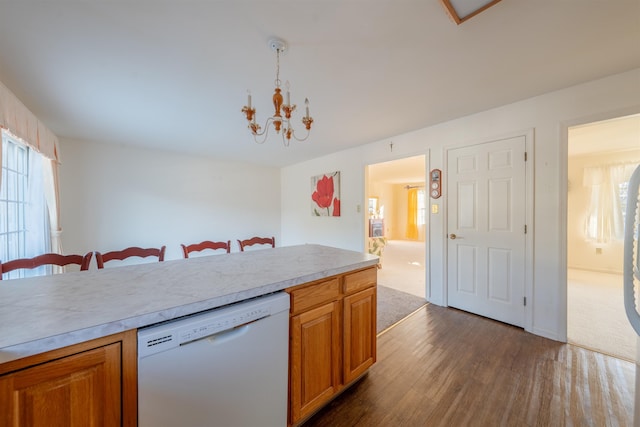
(278, 82)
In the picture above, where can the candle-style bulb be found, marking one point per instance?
(287, 85)
(249, 99)
(306, 103)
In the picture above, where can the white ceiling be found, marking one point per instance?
(620, 134)
(173, 74)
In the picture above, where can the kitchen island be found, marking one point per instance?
(53, 313)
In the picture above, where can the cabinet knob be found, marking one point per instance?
(452, 236)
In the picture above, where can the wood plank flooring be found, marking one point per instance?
(445, 367)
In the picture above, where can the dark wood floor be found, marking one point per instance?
(444, 367)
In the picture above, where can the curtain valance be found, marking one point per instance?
(21, 122)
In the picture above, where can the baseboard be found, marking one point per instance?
(547, 334)
(595, 270)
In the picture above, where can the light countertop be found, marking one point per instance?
(50, 312)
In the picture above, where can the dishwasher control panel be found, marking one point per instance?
(165, 336)
(216, 325)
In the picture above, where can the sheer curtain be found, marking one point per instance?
(52, 195)
(37, 237)
(16, 119)
(605, 220)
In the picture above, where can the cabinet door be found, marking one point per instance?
(78, 390)
(359, 333)
(315, 358)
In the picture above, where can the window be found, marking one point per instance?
(422, 207)
(24, 223)
(623, 189)
(13, 193)
(608, 201)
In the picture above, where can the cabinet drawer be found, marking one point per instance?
(313, 295)
(360, 280)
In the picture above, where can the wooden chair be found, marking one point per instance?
(207, 244)
(46, 259)
(257, 241)
(128, 253)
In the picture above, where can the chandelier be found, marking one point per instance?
(281, 124)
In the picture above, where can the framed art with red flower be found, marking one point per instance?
(325, 194)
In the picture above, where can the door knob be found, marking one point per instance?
(452, 236)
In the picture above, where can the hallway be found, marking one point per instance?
(403, 266)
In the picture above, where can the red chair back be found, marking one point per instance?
(207, 244)
(257, 241)
(46, 259)
(133, 251)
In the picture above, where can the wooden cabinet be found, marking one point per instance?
(315, 358)
(359, 333)
(359, 322)
(92, 383)
(333, 338)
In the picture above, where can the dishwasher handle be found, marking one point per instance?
(223, 336)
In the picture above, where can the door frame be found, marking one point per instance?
(564, 176)
(529, 136)
(365, 232)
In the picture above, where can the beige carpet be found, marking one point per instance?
(596, 317)
(403, 267)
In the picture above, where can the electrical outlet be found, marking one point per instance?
(598, 251)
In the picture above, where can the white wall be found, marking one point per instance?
(346, 231)
(547, 115)
(114, 196)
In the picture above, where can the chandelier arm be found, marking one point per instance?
(285, 141)
(293, 134)
(265, 132)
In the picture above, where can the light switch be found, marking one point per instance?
(434, 209)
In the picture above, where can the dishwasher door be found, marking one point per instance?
(227, 367)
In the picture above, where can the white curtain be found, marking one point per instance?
(605, 217)
(37, 240)
(52, 195)
(16, 119)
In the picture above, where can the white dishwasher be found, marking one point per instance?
(225, 367)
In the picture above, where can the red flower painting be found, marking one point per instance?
(336, 207)
(325, 196)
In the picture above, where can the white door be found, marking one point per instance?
(486, 224)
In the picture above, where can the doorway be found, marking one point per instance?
(396, 219)
(601, 157)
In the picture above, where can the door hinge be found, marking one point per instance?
(525, 156)
(525, 229)
(525, 301)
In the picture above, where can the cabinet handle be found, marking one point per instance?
(452, 236)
